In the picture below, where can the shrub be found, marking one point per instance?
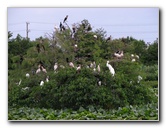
(69, 89)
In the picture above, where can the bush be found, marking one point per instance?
(70, 89)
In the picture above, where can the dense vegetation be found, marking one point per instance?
(73, 95)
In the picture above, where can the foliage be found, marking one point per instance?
(142, 112)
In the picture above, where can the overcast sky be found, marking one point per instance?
(140, 23)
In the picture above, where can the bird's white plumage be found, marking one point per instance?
(55, 66)
(27, 75)
(41, 83)
(112, 71)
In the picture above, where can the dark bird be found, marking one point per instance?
(65, 19)
(60, 26)
(109, 38)
(21, 59)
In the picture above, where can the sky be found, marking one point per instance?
(139, 23)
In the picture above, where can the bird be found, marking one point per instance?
(98, 68)
(137, 56)
(133, 60)
(60, 26)
(27, 75)
(26, 88)
(118, 54)
(38, 70)
(43, 69)
(139, 79)
(20, 82)
(55, 66)
(109, 38)
(112, 71)
(91, 65)
(99, 83)
(41, 83)
(65, 18)
(71, 64)
(78, 68)
(95, 36)
(47, 79)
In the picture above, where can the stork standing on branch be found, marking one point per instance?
(118, 54)
(109, 38)
(65, 19)
(112, 71)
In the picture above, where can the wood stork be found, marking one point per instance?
(47, 79)
(55, 66)
(43, 69)
(98, 68)
(26, 88)
(109, 38)
(27, 75)
(41, 83)
(78, 68)
(112, 71)
(65, 18)
(119, 54)
(139, 79)
(95, 36)
(71, 64)
(38, 70)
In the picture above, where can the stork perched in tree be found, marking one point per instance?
(118, 54)
(60, 26)
(98, 68)
(47, 79)
(78, 68)
(38, 70)
(95, 36)
(134, 57)
(71, 64)
(65, 18)
(41, 83)
(112, 71)
(109, 38)
(139, 79)
(55, 66)
(27, 75)
(43, 69)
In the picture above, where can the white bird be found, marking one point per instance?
(112, 71)
(137, 56)
(78, 67)
(71, 64)
(75, 45)
(139, 78)
(27, 75)
(43, 69)
(94, 64)
(91, 65)
(55, 66)
(118, 55)
(98, 68)
(26, 88)
(38, 70)
(133, 60)
(19, 82)
(132, 55)
(41, 83)
(99, 83)
(47, 79)
(95, 36)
